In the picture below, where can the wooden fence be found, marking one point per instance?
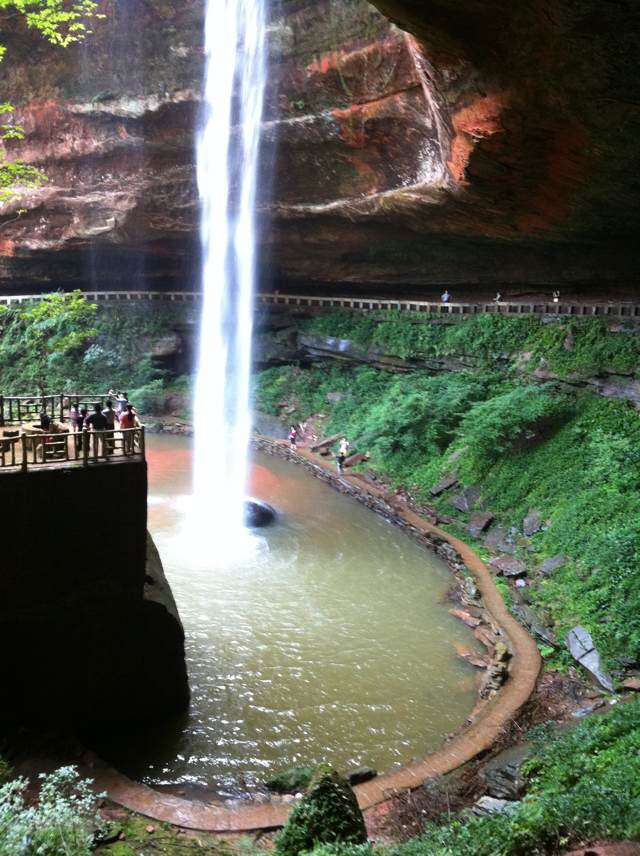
(15, 409)
(26, 450)
(619, 309)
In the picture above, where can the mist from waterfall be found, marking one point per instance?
(227, 157)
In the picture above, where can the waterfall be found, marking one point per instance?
(227, 157)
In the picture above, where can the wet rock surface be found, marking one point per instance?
(509, 567)
(582, 649)
(503, 777)
(258, 514)
(551, 565)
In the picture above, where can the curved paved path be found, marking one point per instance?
(478, 737)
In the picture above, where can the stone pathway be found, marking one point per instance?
(478, 737)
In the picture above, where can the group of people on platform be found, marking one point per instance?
(123, 416)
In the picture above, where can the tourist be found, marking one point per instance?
(445, 297)
(344, 447)
(45, 420)
(556, 297)
(497, 298)
(341, 459)
(73, 417)
(128, 420)
(293, 436)
(112, 417)
(98, 425)
(121, 403)
(81, 419)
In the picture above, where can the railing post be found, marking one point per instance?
(61, 406)
(23, 441)
(85, 447)
(1, 411)
(142, 443)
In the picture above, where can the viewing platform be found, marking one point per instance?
(25, 446)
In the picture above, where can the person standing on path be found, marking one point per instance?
(293, 435)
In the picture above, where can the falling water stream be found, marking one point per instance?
(227, 153)
(327, 639)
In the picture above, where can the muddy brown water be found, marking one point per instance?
(325, 638)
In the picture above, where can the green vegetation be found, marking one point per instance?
(61, 22)
(63, 342)
(329, 813)
(290, 781)
(582, 345)
(583, 785)
(573, 455)
(63, 821)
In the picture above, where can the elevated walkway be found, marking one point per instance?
(612, 309)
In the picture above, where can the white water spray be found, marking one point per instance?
(228, 148)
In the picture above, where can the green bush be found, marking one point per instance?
(63, 821)
(328, 813)
(518, 419)
(150, 398)
(73, 345)
(290, 781)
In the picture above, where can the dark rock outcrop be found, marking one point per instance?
(258, 514)
(88, 628)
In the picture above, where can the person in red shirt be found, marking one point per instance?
(129, 419)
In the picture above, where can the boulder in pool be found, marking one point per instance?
(258, 514)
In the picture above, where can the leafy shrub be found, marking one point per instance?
(290, 781)
(150, 398)
(64, 820)
(520, 418)
(328, 813)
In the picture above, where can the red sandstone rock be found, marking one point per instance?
(479, 153)
(467, 618)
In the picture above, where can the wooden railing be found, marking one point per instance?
(29, 450)
(618, 309)
(367, 304)
(15, 409)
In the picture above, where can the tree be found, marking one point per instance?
(61, 22)
(52, 328)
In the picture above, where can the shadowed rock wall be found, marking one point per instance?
(88, 628)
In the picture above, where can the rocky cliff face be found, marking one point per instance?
(484, 142)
